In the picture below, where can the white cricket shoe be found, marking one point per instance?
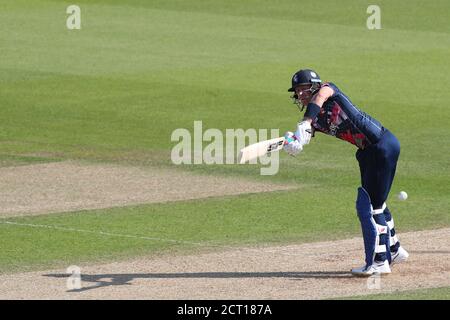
(375, 268)
(400, 256)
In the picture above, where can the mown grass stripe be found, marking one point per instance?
(99, 232)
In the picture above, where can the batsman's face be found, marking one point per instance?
(304, 93)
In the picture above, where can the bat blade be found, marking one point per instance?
(259, 149)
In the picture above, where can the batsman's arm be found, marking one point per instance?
(317, 101)
(304, 130)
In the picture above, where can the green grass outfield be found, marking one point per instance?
(137, 70)
(420, 294)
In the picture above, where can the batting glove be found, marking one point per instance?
(303, 133)
(291, 144)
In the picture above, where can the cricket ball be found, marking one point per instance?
(402, 195)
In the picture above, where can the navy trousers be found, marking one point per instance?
(377, 164)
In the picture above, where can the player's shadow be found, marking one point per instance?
(106, 280)
(429, 251)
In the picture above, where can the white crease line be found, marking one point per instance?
(100, 233)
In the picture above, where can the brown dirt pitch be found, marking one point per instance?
(70, 186)
(305, 271)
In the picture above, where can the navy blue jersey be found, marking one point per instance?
(340, 118)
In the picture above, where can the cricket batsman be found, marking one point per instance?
(330, 111)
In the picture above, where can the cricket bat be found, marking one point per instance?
(259, 149)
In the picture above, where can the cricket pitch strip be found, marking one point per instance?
(71, 186)
(305, 271)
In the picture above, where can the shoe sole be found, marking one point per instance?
(399, 260)
(367, 275)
